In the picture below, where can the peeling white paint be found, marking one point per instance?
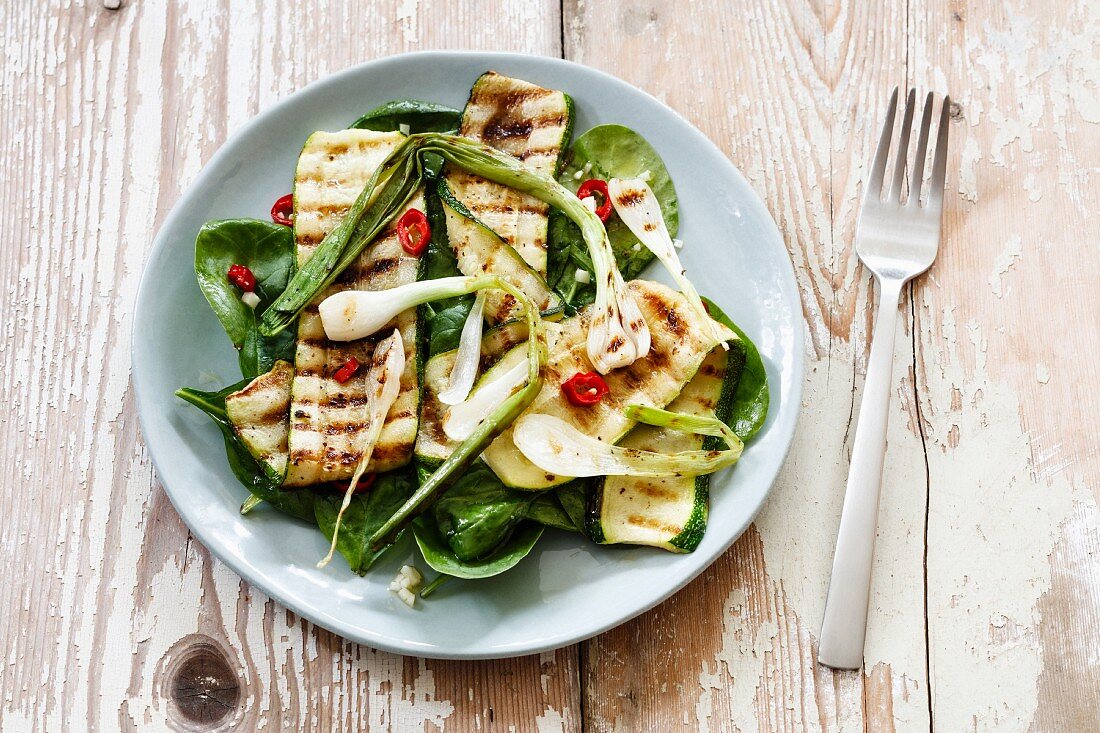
(1042, 373)
(735, 672)
(408, 19)
(994, 526)
(1012, 253)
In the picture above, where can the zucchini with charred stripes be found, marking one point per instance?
(260, 414)
(680, 342)
(670, 513)
(327, 416)
(478, 249)
(532, 124)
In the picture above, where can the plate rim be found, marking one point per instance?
(366, 636)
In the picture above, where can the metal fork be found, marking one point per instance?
(896, 241)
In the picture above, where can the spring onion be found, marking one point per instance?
(355, 314)
(637, 206)
(382, 198)
(462, 419)
(383, 381)
(557, 447)
(464, 371)
(488, 429)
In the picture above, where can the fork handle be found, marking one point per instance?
(845, 622)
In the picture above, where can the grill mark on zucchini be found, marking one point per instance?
(484, 207)
(479, 249)
(327, 417)
(260, 415)
(669, 513)
(526, 121)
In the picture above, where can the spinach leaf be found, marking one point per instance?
(547, 509)
(478, 513)
(440, 323)
(750, 400)
(257, 477)
(440, 558)
(609, 151)
(419, 116)
(366, 513)
(573, 497)
(268, 250)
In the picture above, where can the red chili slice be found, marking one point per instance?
(365, 482)
(242, 277)
(283, 210)
(346, 372)
(414, 232)
(584, 388)
(594, 186)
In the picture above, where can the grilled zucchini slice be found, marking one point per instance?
(326, 417)
(680, 342)
(260, 413)
(669, 513)
(478, 250)
(432, 444)
(534, 125)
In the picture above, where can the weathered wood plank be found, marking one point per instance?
(106, 116)
(1004, 329)
(798, 130)
(795, 93)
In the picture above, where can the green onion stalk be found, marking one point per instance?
(498, 421)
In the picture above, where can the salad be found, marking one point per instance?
(445, 334)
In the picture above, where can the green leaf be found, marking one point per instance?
(259, 353)
(547, 510)
(268, 250)
(442, 559)
(750, 400)
(418, 115)
(573, 497)
(611, 151)
(477, 513)
(365, 514)
(440, 322)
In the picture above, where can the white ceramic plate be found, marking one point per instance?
(568, 589)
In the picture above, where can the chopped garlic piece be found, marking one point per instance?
(406, 584)
(404, 129)
(250, 299)
(578, 175)
(678, 243)
(587, 168)
(583, 276)
(637, 247)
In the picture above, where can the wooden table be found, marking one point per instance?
(986, 605)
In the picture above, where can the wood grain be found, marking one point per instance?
(982, 434)
(106, 117)
(992, 478)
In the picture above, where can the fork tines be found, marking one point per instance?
(901, 157)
